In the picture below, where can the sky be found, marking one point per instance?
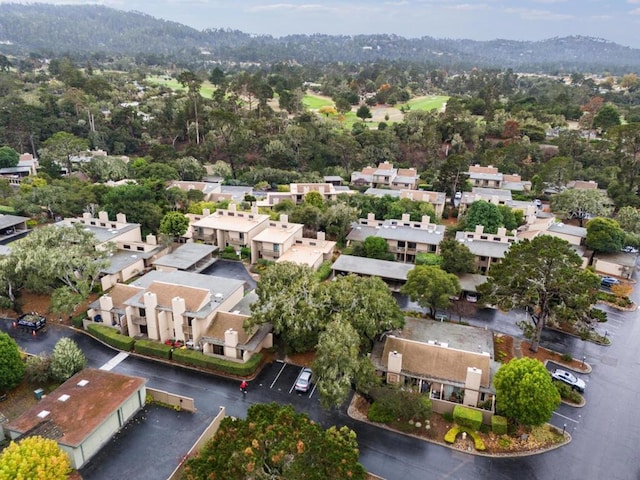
(613, 20)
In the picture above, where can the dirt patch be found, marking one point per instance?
(41, 303)
(544, 354)
(503, 347)
(301, 359)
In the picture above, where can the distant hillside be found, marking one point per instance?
(91, 29)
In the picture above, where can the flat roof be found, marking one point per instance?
(572, 230)
(461, 337)
(7, 221)
(398, 232)
(102, 234)
(186, 255)
(84, 409)
(469, 282)
(485, 248)
(120, 260)
(381, 192)
(491, 192)
(372, 267)
(278, 235)
(302, 255)
(238, 222)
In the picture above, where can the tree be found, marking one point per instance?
(375, 311)
(374, 247)
(431, 287)
(8, 157)
(189, 169)
(38, 369)
(34, 457)
(315, 199)
(275, 442)
(174, 224)
(605, 235)
(606, 118)
(483, 213)
(137, 202)
(363, 112)
(192, 83)
(66, 359)
(629, 219)
(450, 176)
(290, 298)
(579, 203)
(337, 220)
(11, 364)
(61, 147)
(53, 256)
(525, 392)
(103, 169)
(543, 276)
(337, 361)
(456, 257)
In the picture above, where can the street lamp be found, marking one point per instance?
(564, 428)
(583, 359)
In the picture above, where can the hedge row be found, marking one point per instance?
(182, 355)
(478, 443)
(198, 359)
(153, 349)
(111, 337)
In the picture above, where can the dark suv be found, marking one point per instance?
(32, 321)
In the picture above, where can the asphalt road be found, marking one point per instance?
(605, 432)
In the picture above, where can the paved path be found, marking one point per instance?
(111, 364)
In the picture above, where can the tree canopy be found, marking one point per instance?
(66, 359)
(483, 213)
(580, 203)
(276, 442)
(34, 457)
(604, 235)
(525, 391)
(545, 277)
(456, 257)
(373, 247)
(11, 364)
(174, 224)
(431, 287)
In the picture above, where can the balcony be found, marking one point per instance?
(138, 320)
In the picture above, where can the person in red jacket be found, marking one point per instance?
(243, 386)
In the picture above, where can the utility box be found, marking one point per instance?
(38, 393)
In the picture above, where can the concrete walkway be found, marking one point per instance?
(111, 364)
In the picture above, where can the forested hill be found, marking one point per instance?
(91, 29)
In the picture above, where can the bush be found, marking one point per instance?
(324, 271)
(566, 357)
(499, 424)
(110, 336)
(77, 320)
(467, 417)
(478, 443)
(448, 416)
(153, 349)
(37, 369)
(402, 404)
(381, 413)
(199, 359)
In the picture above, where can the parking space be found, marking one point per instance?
(280, 378)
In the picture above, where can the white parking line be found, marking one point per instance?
(295, 381)
(566, 418)
(313, 389)
(279, 373)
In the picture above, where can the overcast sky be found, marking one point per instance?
(615, 20)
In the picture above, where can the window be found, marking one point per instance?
(142, 312)
(483, 259)
(401, 243)
(411, 245)
(126, 247)
(241, 236)
(218, 350)
(140, 249)
(484, 237)
(102, 224)
(276, 248)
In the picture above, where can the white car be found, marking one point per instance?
(472, 297)
(629, 249)
(570, 379)
(458, 195)
(303, 382)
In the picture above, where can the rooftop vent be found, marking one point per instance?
(218, 296)
(82, 383)
(64, 398)
(44, 414)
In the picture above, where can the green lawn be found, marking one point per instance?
(428, 103)
(314, 102)
(206, 90)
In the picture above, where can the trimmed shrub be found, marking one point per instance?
(402, 404)
(566, 357)
(153, 349)
(199, 359)
(478, 443)
(466, 417)
(379, 412)
(110, 336)
(499, 424)
(448, 416)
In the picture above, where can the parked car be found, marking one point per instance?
(629, 249)
(609, 282)
(442, 316)
(538, 203)
(570, 379)
(472, 297)
(458, 195)
(303, 382)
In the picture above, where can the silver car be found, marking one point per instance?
(570, 379)
(303, 383)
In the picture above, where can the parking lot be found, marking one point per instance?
(280, 378)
